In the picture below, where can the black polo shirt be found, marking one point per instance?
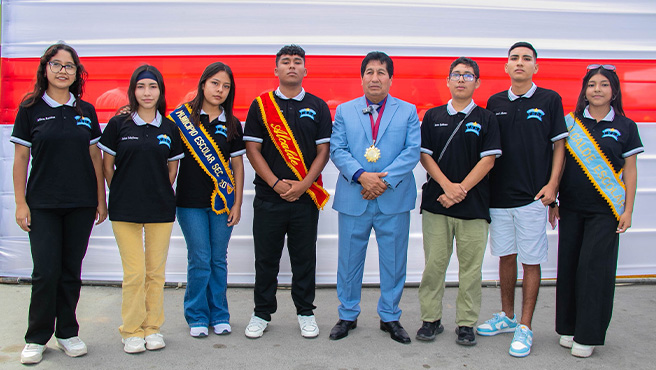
(618, 138)
(477, 137)
(141, 190)
(529, 125)
(62, 174)
(195, 187)
(309, 131)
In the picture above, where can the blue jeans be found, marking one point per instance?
(207, 236)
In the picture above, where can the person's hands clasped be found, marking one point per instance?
(294, 192)
(372, 184)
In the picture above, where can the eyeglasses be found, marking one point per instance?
(608, 67)
(467, 76)
(56, 67)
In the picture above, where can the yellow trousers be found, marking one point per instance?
(143, 249)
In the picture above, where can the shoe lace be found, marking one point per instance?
(307, 321)
(259, 323)
(75, 340)
(32, 346)
(520, 335)
(495, 318)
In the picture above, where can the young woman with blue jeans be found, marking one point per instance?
(205, 219)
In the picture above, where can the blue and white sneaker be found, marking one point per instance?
(499, 323)
(522, 342)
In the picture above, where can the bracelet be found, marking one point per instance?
(275, 183)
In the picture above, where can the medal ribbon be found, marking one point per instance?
(594, 163)
(374, 126)
(283, 139)
(208, 156)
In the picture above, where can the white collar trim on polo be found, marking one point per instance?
(140, 122)
(452, 111)
(529, 93)
(298, 97)
(221, 118)
(609, 117)
(53, 104)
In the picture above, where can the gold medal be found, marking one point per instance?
(372, 154)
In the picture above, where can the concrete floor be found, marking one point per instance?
(629, 343)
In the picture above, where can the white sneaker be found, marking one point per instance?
(222, 329)
(134, 345)
(73, 346)
(566, 341)
(32, 353)
(308, 325)
(581, 350)
(198, 331)
(256, 327)
(154, 342)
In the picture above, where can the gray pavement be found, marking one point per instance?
(629, 344)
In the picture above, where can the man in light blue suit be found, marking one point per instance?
(375, 145)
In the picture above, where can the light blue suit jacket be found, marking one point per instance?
(399, 139)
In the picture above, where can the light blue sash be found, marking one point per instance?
(595, 164)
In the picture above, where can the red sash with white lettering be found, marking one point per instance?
(284, 140)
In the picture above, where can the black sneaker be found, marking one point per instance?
(429, 330)
(466, 336)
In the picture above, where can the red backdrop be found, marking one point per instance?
(419, 80)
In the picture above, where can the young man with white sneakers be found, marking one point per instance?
(523, 182)
(287, 136)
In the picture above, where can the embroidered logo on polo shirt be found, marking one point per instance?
(307, 112)
(129, 138)
(164, 140)
(45, 118)
(474, 127)
(501, 113)
(441, 124)
(83, 121)
(535, 113)
(612, 133)
(221, 129)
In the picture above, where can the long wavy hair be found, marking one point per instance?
(616, 101)
(132, 98)
(197, 103)
(41, 85)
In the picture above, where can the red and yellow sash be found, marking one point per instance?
(284, 140)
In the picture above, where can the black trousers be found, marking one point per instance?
(271, 222)
(58, 241)
(587, 264)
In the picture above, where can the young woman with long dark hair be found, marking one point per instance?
(597, 192)
(65, 193)
(142, 150)
(209, 196)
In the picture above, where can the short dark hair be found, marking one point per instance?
(382, 58)
(614, 80)
(468, 62)
(523, 44)
(290, 50)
